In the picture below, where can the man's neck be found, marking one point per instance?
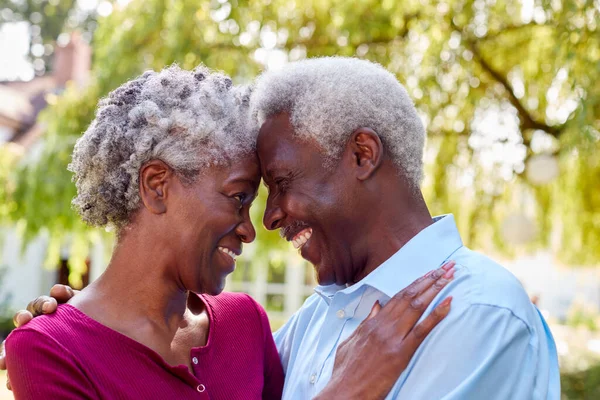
(393, 228)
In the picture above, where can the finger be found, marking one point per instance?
(62, 293)
(420, 303)
(36, 307)
(416, 336)
(420, 332)
(50, 306)
(424, 282)
(375, 310)
(22, 317)
(2, 357)
(403, 299)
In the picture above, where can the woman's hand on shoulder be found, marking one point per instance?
(369, 362)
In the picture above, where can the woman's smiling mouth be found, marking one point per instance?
(228, 252)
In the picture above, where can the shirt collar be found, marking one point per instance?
(426, 251)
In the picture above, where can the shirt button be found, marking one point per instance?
(313, 378)
(341, 314)
(195, 360)
(201, 388)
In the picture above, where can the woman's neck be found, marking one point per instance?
(138, 285)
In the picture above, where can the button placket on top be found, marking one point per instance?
(341, 308)
(199, 386)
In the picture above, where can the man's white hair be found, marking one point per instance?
(191, 120)
(329, 98)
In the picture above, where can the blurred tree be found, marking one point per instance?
(509, 92)
(47, 19)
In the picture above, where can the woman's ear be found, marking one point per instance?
(367, 151)
(155, 179)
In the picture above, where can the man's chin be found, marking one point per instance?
(324, 275)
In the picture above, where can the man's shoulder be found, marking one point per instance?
(481, 281)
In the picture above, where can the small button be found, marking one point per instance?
(195, 360)
(341, 314)
(201, 388)
(313, 378)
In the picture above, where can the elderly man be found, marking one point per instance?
(341, 149)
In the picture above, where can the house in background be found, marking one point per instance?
(22, 272)
(21, 102)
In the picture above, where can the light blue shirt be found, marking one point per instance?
(494, 344)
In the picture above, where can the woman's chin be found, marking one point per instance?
(217, 286)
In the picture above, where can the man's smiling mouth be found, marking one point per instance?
(301, 238)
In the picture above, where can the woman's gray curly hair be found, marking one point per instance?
(191, 120)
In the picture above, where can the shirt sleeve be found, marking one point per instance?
(273, 372)
(484, 352)
(41, 368)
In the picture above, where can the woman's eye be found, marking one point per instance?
(240, 197)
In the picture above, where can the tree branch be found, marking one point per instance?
(511, 28)
(527, 120)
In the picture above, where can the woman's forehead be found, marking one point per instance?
(246, 168)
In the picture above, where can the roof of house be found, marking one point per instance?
(21, 102)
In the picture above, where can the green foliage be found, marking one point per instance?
(461, 61)
(581, 316)
(583, 385)
(6, 323)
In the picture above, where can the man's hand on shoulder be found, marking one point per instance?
(42, 305)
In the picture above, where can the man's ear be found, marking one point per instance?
(367, 152)
(155, 179)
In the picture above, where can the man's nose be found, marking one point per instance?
(273, 215)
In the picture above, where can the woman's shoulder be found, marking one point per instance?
(230, 301)
(236, 307)
(64, 322)
(57, 330)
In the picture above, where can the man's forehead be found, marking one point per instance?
(281, 150)
(275, 129)
(276, 145)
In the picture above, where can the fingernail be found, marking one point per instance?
(446, 302)
(70, 291)
(449, 273)
(448, 265)
(46, 307)
(429, 273)
(16, 319)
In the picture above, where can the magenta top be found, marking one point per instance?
(68, 355)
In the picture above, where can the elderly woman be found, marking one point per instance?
(170, 162)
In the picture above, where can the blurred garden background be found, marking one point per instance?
(509, 92)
